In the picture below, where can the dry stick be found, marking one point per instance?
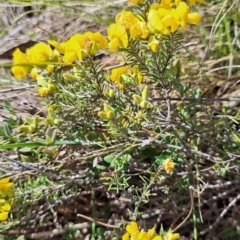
(55, 232)
(190, 211)
(18, 88)
(26, 166)
(197, 99)
(98, 222)
(223, 213)
(35, 25)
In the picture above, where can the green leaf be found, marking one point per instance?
(7, 129)
(101, 167)
(109, 158)
(8, 107)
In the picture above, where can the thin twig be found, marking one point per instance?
(98, 222)
(190, 211)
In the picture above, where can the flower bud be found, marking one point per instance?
(110, 115)
(137, 99)
(102, 115)
(110, 93)
(23, 128)
(106, 107)
(143, 104)
(145, 93)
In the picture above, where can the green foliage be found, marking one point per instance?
(138, 129)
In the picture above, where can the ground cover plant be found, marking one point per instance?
(139, 150)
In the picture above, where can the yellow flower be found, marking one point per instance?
(117, 36)
(135, 2)
(171, 236)
(43, 91)
(6, 187)
(59, 47)
(182, 11)
(80, 45)
(157, 238)
(4, 206)
(139, 30)
(40, 53)
(151, 232)
(126, 19)
(3, 216)
(72, 50)
(168, 165)
(153, 44)
(125, 236)
(167, 17)
(116, 74)
(50, 68)
(93, 42)
(193, 18)
(170, 22)
(34, 73)
(193, 2)
(19, 58)
(133, 233)
(155, 19)
(143, 236)
(132, 229)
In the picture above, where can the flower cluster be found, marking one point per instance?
(164, 18)
(80, 46)
(133, 233)
(6, 198)
(39, 60)
(161, 18)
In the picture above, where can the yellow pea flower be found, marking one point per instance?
(19, 58)
(132, 229)
(4, 206)
(50, 68)
(6, 187)
(100, 40)
(3, 216)
(155, 19)
(59, 47)
(40, 53)
(135, 2)
(43, 91)
(193, 18)
(116, 73)
(139, 30)
(157, 238)
(171, 236)
(168, 165)
(70, 57)
(117, 36)
(153, 44)
(170, 21)
(126, 236)
(151, 232)
(34, 73)
(193, 2)
(126, 19)
(72, 47)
